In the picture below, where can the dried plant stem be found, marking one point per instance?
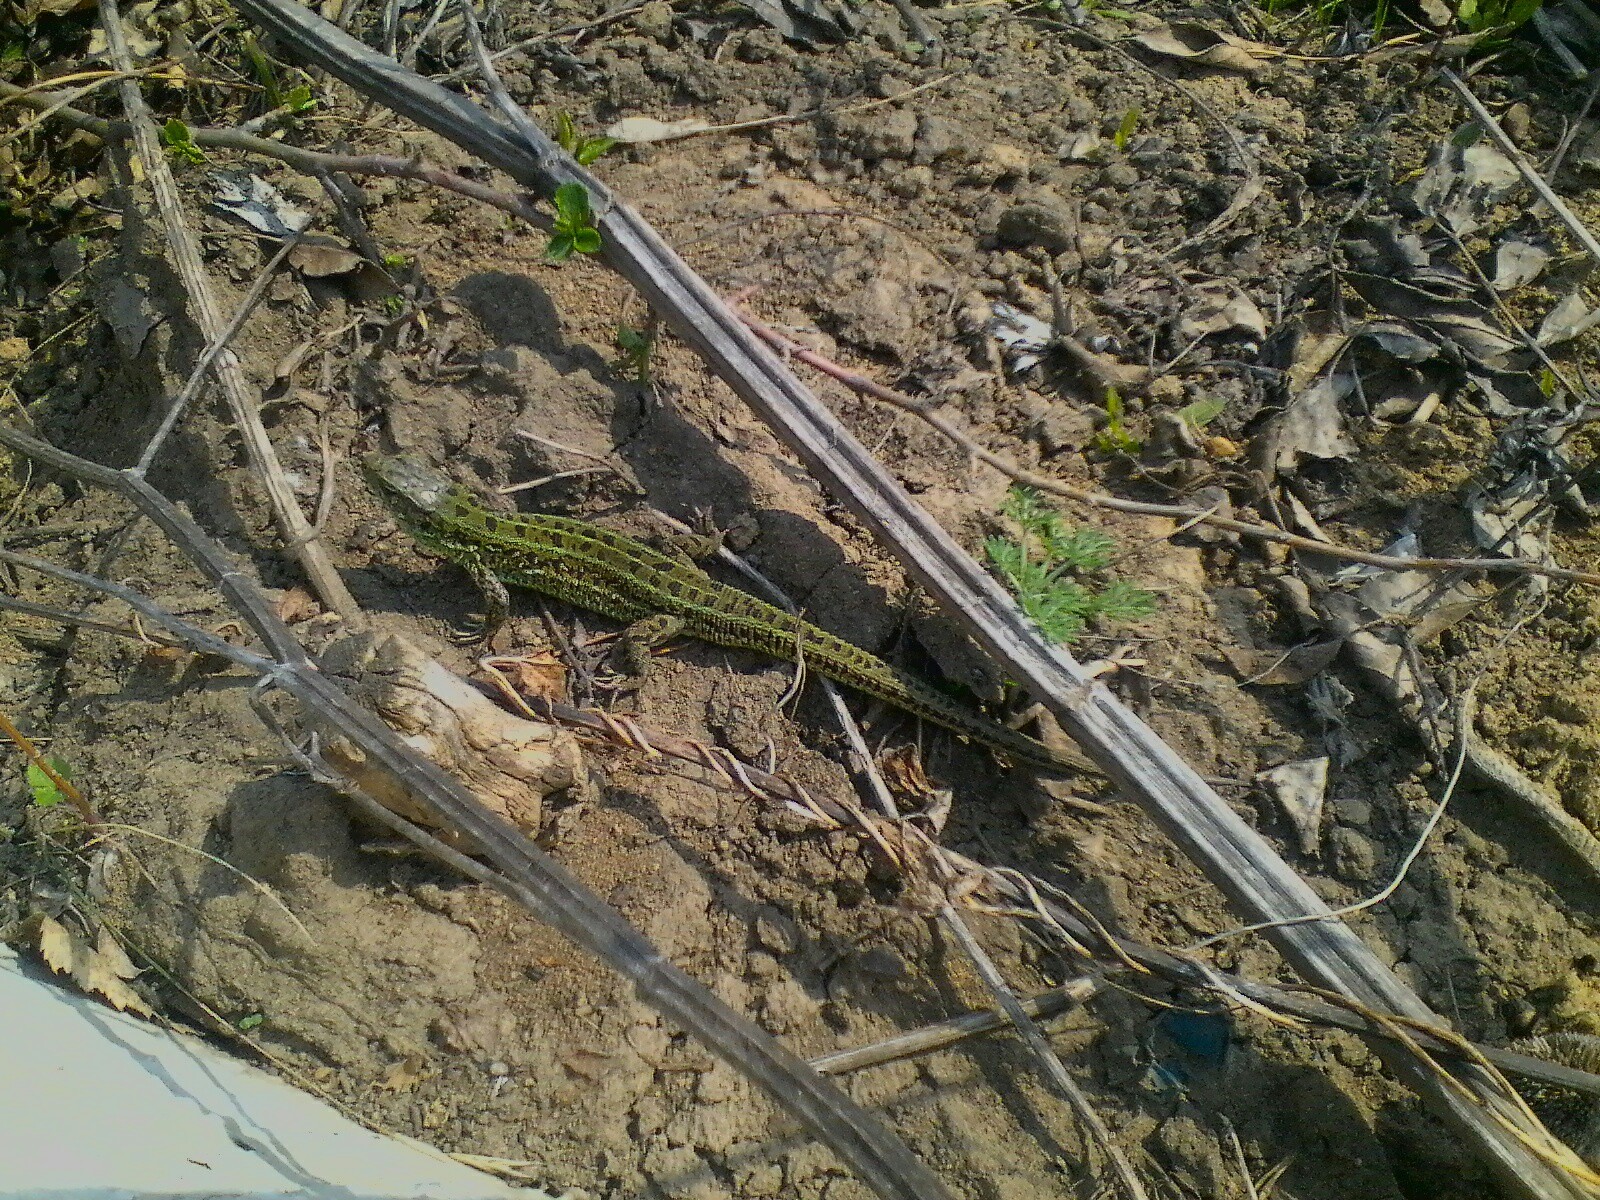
(516, 865)
(1035, 1040)
(927, 413)
(311, 555)
(62, 784)
(1526, 169)
(312, 162)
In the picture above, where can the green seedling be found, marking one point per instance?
(1040, 568)
(1114, 437)
(584, 150)
(46, 792)
(246, 1024)
(179, 142)
(300, 100)
(396, 262)
(261, 67)
(636, 347)
(1202, 412)
(1130, 122)
(1496, 16)
(574, 226)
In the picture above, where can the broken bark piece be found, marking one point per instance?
(511, 764)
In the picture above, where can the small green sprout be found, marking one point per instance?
(300, 100)
(396, 262)
(1202, 412)
(1114, 438)
(636, 346)
(46, 792)
(247, 1023)
(1130, 123)
(584, 150)
(574, 225)
(1496, 16)
(179, 142)
(1039, 565)
(261, 67)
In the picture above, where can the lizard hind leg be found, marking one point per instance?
(641, 636)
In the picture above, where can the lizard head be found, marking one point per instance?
(409, 487)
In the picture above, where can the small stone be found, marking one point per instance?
(1118, 176)
(937, 138)
(893, 136)
(14, 349)
(654, 20)
(998, 161)
(1352, 811)
(912, 182)
(1040, 225)
(1355, 858)
(1517, 121)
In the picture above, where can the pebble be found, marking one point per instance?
(654, 20)
(1040, 225)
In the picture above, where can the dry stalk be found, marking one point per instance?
(515, 865)
(65, 786)
(311, 555)
(926, 411)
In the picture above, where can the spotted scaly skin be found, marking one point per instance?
(618, 577)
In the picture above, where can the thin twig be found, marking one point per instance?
(926, 412)
(312, 162)
(538, 38)
(1035, 1040)
(519, 868)
(311, 555)
(1526, 169)
(62, 784)
(1234, 856)
(202, 366)
(106, 828)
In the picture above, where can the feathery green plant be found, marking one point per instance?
(1039, 568)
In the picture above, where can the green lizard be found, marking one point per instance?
(659, 595)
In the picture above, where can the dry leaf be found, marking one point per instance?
(296, 605)
(1463, 182)
(1299, 788)
(320, 256)
(639, 130)
(1207, 47)
(1313, 424)
(1570, 318)
(404, 1075)
(1517, 263)
(99, 970)
(1221, 308)
(541, 675)
(55, 945)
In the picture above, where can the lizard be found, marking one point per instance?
(660, 596)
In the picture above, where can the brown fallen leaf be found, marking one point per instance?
(102, 969)
(541, 675)
(296, 605)
(404, 1075)
(1206, 47)
(320, 256)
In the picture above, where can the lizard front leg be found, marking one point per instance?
(496, 602)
